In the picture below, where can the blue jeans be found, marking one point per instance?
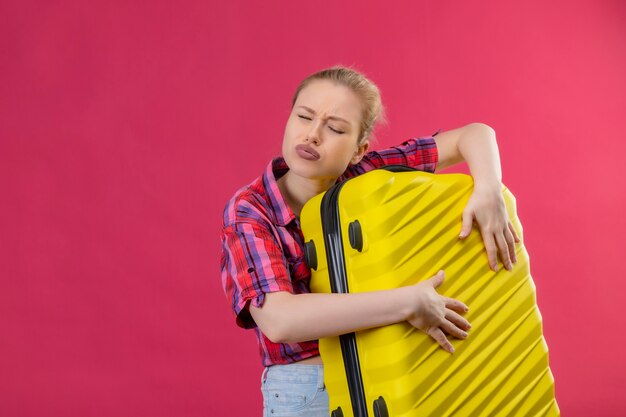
(294, 391)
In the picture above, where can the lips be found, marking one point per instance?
(307, 152)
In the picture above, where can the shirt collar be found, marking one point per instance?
(282, 213)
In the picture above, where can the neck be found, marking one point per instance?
(297, 190)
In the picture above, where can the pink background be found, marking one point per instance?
(125, 126)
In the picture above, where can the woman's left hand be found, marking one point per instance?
(486, 207)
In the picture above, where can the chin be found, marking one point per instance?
(305, 170)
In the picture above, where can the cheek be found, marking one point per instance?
(290, 136)
(286, 143)
(287, 134)
(344, 153)
(291, 130)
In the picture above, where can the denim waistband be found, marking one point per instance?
(295, 373)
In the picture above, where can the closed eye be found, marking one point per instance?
(339, 132)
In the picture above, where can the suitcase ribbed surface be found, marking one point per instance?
(410, 223)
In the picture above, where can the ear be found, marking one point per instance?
(358, 155)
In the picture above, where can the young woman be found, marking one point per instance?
(326, 141)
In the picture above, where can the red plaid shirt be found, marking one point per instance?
(263, 246)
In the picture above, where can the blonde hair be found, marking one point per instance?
(366, 90)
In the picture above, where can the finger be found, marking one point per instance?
(458, 320)
(504, 251)
(510, 242)
(453, 330)
(466, 227)
(512, 229)
(437, 279)
(455, 305)
(437, 334)
(492, 252)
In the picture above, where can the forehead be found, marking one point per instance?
(330, 99)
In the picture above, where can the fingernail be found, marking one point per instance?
(495, 267)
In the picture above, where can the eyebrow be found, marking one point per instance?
(329, 117)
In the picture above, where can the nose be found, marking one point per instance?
(313, 134)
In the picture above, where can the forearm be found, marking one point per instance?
(478, 147)
(296, 318)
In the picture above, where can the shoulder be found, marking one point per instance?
(418, 152)
(248, 204)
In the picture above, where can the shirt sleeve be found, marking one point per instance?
(253, 264)
(419, 153)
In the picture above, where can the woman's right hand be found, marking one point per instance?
(435, 314)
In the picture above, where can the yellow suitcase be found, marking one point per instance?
(388, 229)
